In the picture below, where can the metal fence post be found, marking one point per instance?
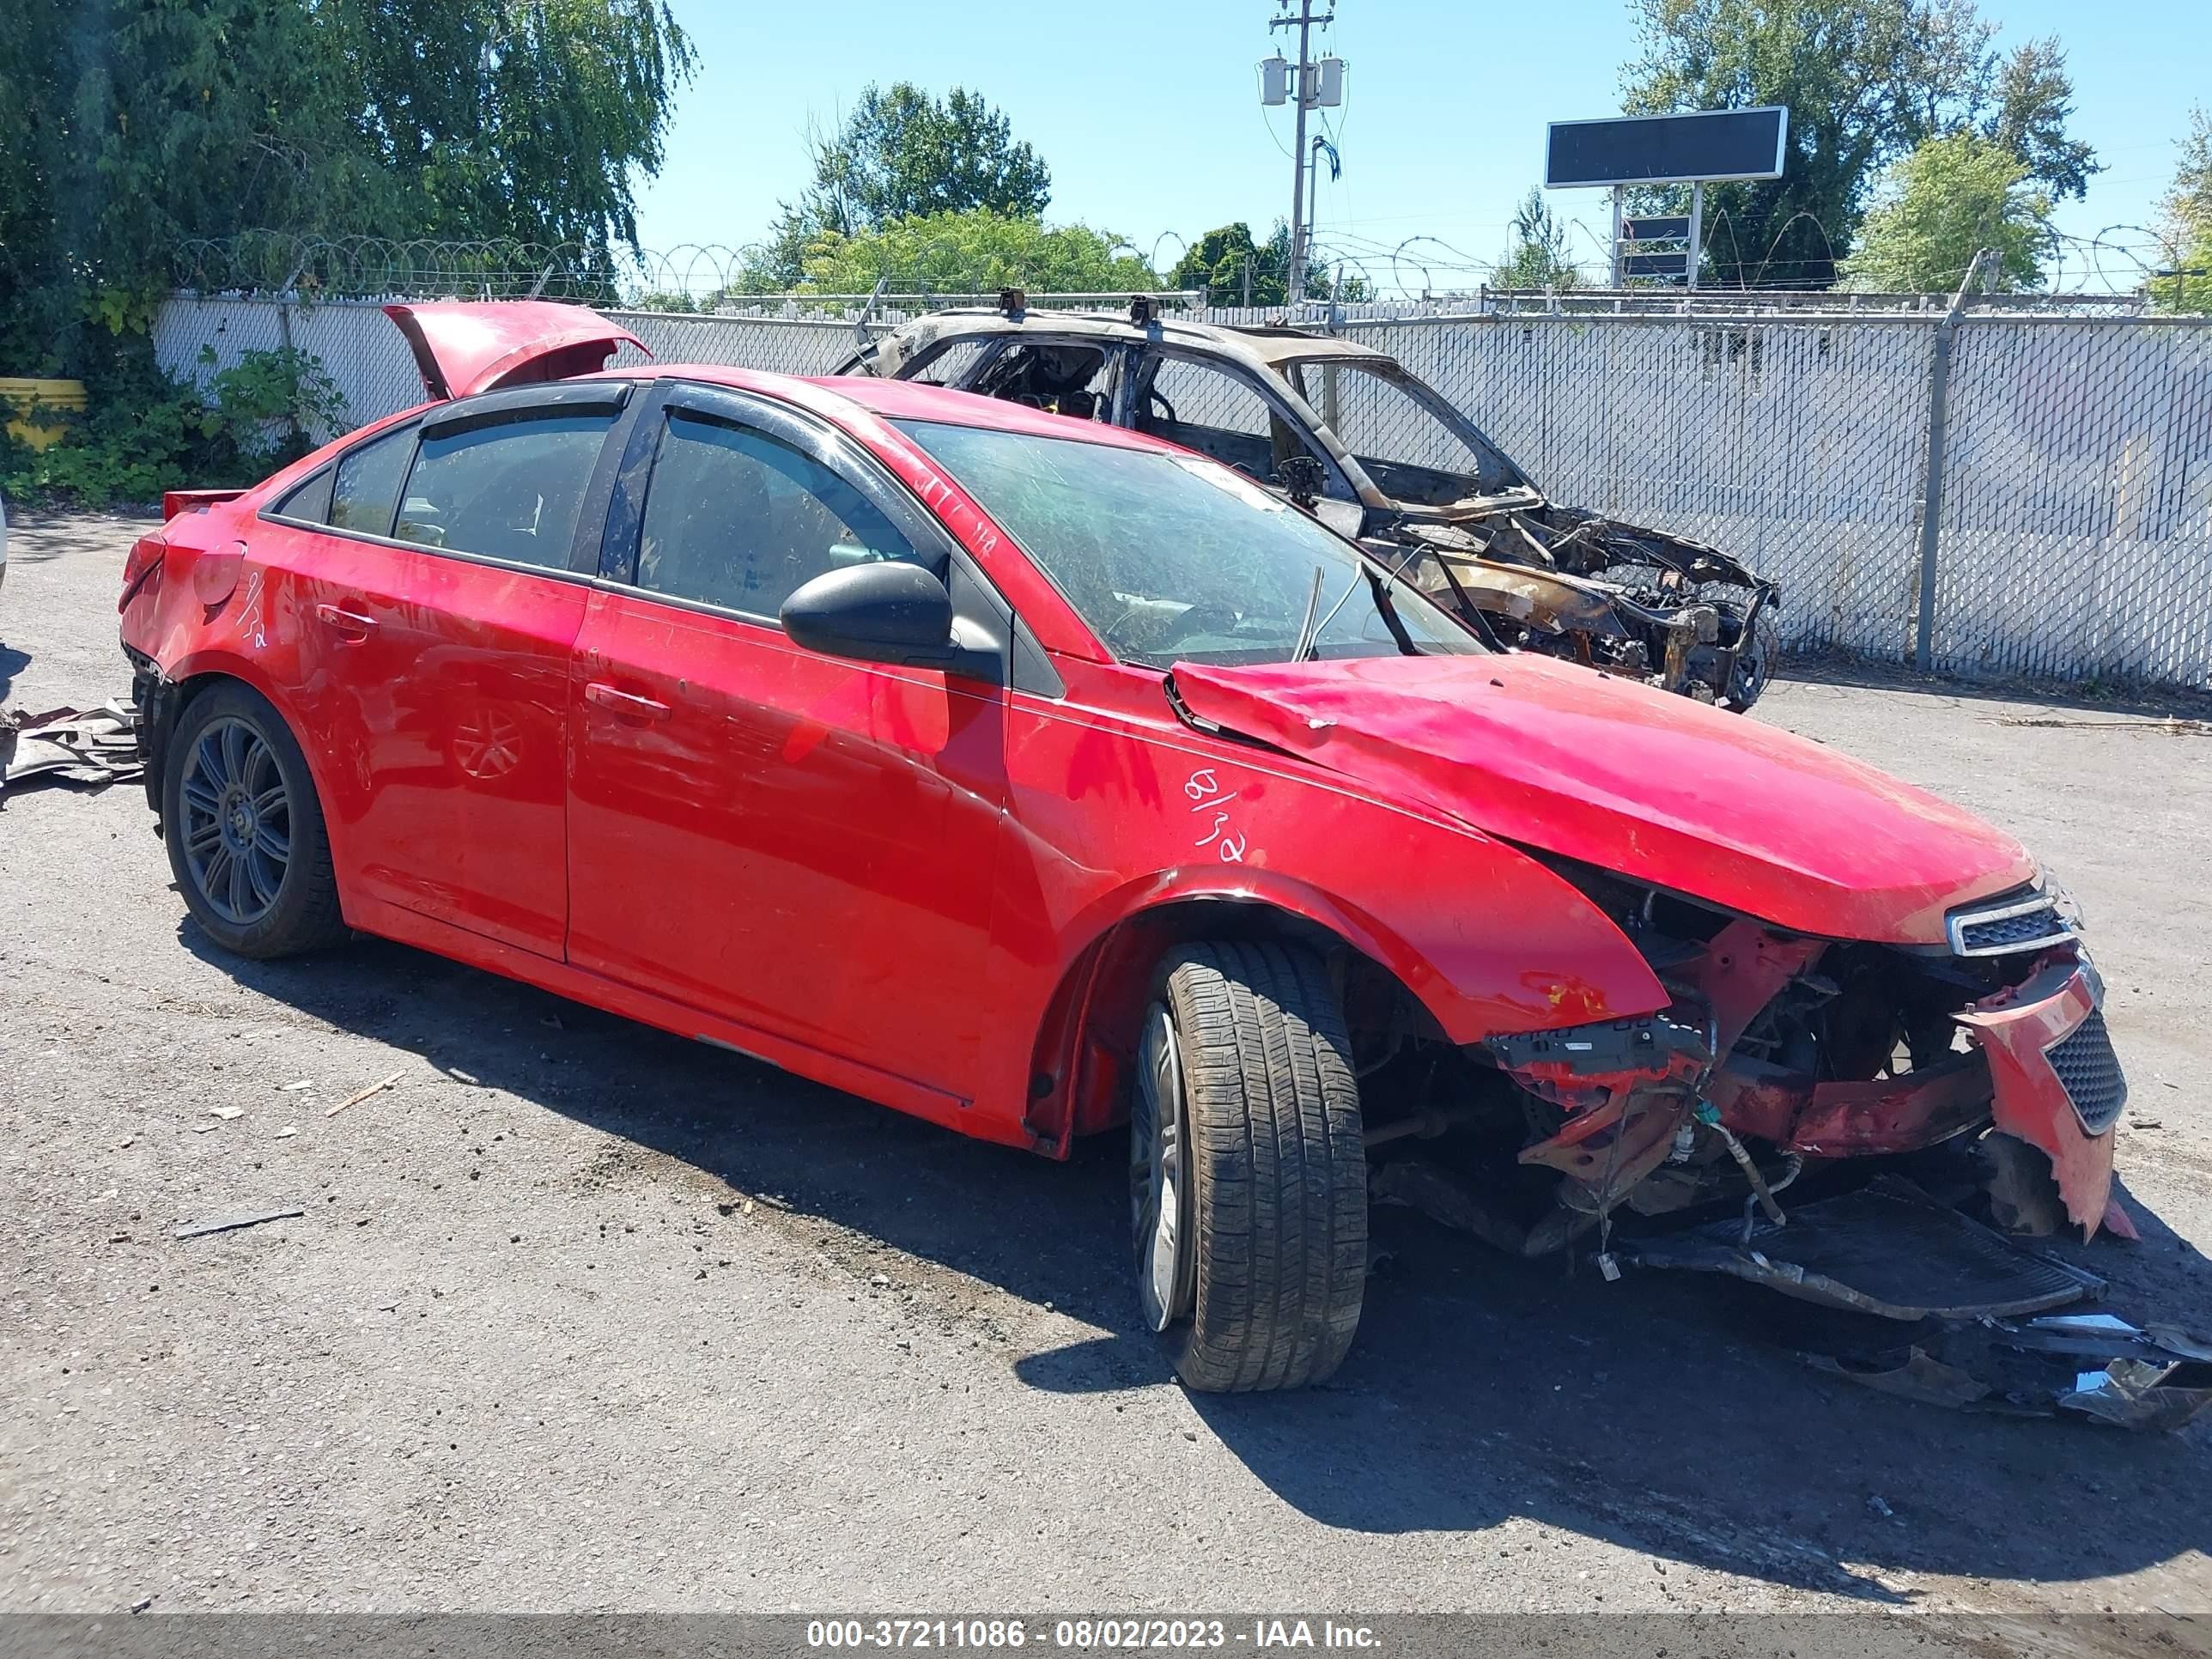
(1931, 494)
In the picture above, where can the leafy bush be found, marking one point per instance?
(147, 432)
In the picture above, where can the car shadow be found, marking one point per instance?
(1665, 1412)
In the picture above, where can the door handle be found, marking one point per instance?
(350, 625)
(626, 705)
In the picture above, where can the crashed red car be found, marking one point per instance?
(1032, 775)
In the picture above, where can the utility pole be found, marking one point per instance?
(1308, 95)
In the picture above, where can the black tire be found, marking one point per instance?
(1262, 1287)
(290, 903)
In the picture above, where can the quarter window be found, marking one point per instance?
(734, 518)
(507, 491)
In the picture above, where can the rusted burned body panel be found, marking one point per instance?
(1477, 534)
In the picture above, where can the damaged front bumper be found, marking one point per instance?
(2055, 1082)
(2040, 1069)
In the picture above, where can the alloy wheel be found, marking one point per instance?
(1159, 1176)
(238, 822)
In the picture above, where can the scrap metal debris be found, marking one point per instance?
(1961, 1294)
(97, 747)
(2097, 1364)
(1888, 1250)
(244, 1218)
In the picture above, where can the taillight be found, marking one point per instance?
(142, 567)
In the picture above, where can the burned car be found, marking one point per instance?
(1357, 439)
(1037, 778)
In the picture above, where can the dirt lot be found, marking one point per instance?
(580, 1315)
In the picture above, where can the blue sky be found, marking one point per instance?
(1151, 120)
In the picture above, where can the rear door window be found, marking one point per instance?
(736, 518)
(365, 489)
(511, 490)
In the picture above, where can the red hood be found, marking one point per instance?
(1657, 787)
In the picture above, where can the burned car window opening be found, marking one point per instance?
(1220, 414)
(1057, 376)
(1172, 558)
(1410, 450)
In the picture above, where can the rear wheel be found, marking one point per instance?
(1248, 1173)
(245, 830)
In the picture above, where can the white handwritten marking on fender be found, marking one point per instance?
(1205, 795)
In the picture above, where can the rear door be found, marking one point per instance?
(438, 580)
(797, 843)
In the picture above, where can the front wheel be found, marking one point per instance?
(1248, 1172)
(244, 828)
(1754, 663)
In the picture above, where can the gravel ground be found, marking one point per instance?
(582, 1316)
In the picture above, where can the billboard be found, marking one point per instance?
(1703, 147)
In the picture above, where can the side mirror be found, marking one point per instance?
(887, 612)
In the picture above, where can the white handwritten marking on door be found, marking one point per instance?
(1209, 804)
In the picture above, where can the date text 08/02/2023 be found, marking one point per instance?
(1088, 1635)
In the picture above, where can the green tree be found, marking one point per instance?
(1939, 206)
(903, 154)
(1866, 82)
(142, 124)
(2032, 102)
(900, 154)
(2189, 197)
(1218, 261)
(2186, 232)
(973, 250)
(1537, 256)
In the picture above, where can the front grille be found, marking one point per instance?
(2010, 933)
(2005, 927)
(2090, 1071)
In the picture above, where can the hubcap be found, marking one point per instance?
(1159, 1184)
(237, 822)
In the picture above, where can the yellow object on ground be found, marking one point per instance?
(21, 395)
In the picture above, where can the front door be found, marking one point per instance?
(796, 843)
(433, 589)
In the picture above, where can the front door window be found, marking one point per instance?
(740, 519)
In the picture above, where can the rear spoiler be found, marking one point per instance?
(174, 502)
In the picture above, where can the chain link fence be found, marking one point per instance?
(2073, 538)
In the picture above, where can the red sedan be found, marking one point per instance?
(1032, 775)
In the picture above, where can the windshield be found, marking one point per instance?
(1173, 558)
(1397, 436)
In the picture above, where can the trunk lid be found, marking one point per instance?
(464, 348)
(1655, 788)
